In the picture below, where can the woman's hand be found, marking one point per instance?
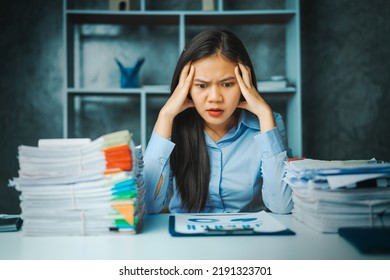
(253, 101)
(177, 102)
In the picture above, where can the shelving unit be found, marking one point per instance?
(182, 24)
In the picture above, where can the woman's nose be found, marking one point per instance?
(215, 94)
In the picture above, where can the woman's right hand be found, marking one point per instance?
(177, 102)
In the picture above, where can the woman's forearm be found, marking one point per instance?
(156, 172)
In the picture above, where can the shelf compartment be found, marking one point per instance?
(94, 115)
(125, 18)
(246, 17)
(154, 103)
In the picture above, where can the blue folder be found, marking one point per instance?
(368, 240)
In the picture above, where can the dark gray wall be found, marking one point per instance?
(346, 79)
(345, 69)
(31, 57)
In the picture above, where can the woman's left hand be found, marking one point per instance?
(253, 101)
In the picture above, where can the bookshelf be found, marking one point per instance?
(94, 35)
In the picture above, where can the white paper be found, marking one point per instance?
(339, 181)
(200, 223)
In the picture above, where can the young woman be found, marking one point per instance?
(216, 146)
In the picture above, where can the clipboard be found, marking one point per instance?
(367, 240)
(10, 223)
(240, 224)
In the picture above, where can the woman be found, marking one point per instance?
(216, 145)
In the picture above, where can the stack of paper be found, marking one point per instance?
(328, 195)
(274, 84)
(81, 187)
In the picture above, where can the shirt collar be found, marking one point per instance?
(248, 119)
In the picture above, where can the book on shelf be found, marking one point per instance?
(81, 187)
(328, 195)
(274, 83)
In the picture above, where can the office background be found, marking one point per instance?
(345, 80)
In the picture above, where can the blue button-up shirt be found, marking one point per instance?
(247, 168)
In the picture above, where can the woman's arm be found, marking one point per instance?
(159, 149)
(253, 101)
(277, 195)
(272, 141)
(177, 103)
(157, 173)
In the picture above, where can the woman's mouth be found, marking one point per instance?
(215, 112)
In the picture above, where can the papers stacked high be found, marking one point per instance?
(81, 187)
(328, 195)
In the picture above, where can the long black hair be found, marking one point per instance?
(190, 160)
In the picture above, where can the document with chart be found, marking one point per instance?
(258, 223)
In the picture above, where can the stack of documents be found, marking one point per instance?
(328, 195)
(81, 187)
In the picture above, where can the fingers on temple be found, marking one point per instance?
(190, 75)
(239, 78)
(185, 72)
(246, 74)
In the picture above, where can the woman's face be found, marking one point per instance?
(215, 92)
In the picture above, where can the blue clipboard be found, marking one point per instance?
(224, 232)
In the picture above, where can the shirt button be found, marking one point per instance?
(161, 160)
(265, 155)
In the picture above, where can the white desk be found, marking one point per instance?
(154, 242)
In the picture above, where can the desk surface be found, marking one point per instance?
(154, 242)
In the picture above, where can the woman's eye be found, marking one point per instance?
(201, 85)
(227, 84)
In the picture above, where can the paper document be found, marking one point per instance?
(261, 222)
